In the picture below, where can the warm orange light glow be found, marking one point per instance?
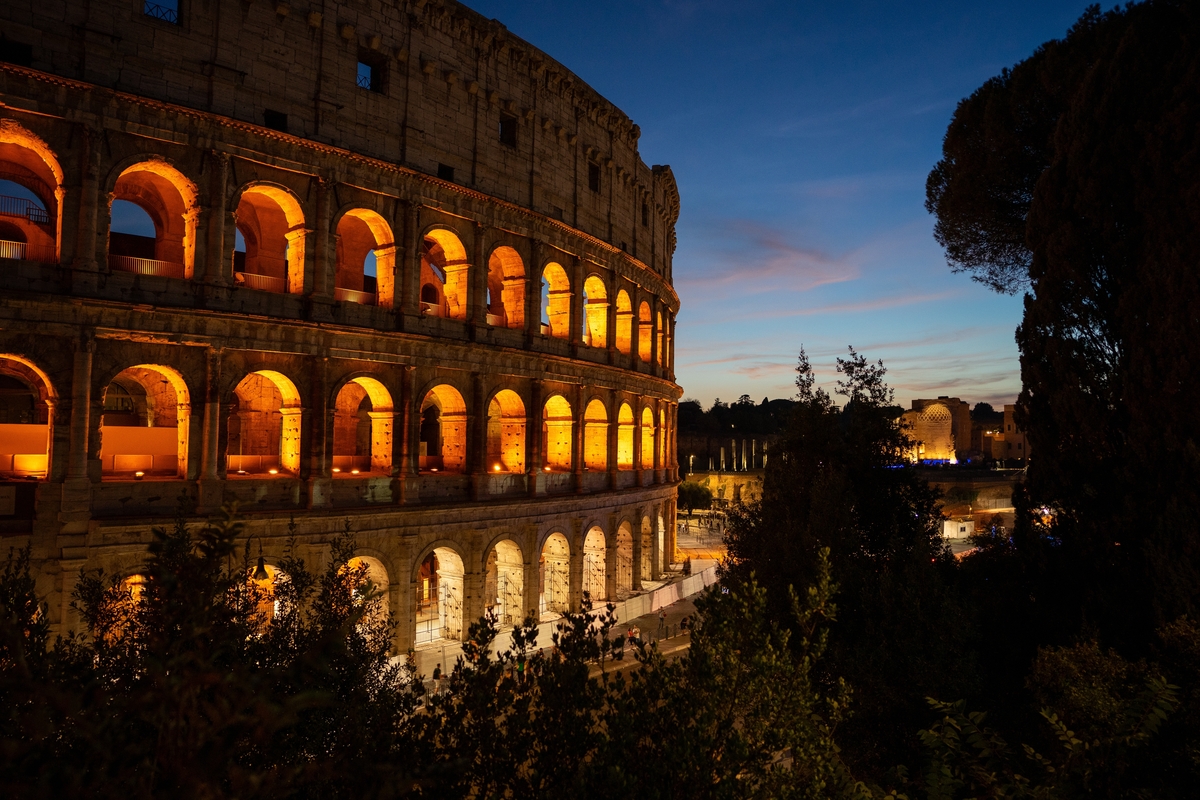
(273, 471)
(354, 472)
(496, 468)
(139, 475)
(337, 469)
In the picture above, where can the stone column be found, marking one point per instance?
(655, 369)
(76, 508)
(637, 549)
(533, 438)
(477, 293)
(324, 261)
(89, 199)
(576, 566)
(610, 322)
(405, 461)
(409, 287)
(320, 447)
(533, 295)
(477, 437)
(218, 264)
(611, 560)
(211, 484)
(577, 277)
(638, 467)
(577, 433)
(656, 408)
(614, 435)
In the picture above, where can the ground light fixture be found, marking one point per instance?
(260, 571)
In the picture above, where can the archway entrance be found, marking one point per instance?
(152, 227)
(556, 302)
(30, 196)
(443, 433)
(504, 583)
(624, 565)
(624, 322)
(556, 434)
(554, 575)
(444, 275)
(595, 437)
(366, 259)
(506, 289)
(362, 428)
(24, 421)
(506, 433)
(439, 590)
(595, 312)
(264, 426)
(360, 570)
(647, 565)
(144, 428)
(594, 566)
(270, 235)
(625, 437)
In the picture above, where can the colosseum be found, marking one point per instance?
(377, 261)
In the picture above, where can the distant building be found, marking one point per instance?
(1007, 443)
(940, 429)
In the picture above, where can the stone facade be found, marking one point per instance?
(406, 300)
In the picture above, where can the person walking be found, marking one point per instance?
(437, 679)
(662, 622)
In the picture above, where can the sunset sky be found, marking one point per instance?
(801, 134)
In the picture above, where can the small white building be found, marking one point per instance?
(958, 528)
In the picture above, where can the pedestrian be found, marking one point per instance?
(662, 622)
(520, 669)
(636, 636)
(437, 679)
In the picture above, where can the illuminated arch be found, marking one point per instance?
(504, 582)
(554, 575)
(647, 454)
(595, 564)
(662, 438)
(145, 424)
(27, 401)
(170, 199)
(438, 584)
(556, 301)
(363, 428)
(595, 436)
(267, 595)
(647, 565)
(264, 426)
(33, 232)
(506, 289)
(557, 422)
(444, 273)
(624, 565)
(443, 434)
(625, 425)
(624, 323)
(645, 331)
(595, 312)
(369, 568)
(659, 334)
(366, 259)
(506, 433)
(271, 221)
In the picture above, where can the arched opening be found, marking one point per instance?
(30, 196)
(144, 427)
(361, 570)
(439, 588)
(645, 331)
(443, 434)
(25, 405)
(268, 596)
(595, 312)
(659, 333)
(556, 434)
(624, 565)
(366, 259)
(662, 438)
(595, 436)
(647, 564)
(152, 227)
(362, 428)
(554, 575)
(594, 565)
(506, 289)
(625, 437)
(667, 340)
(647, 454)
(264, 426)
(506, 433)
(556, 302)
(444, 275)
(271, 225)
(624, 322)
(504, 582)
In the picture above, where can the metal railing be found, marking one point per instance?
(431, 309)
(264, 283)
(164, 13)
(440, 620)
(27, 209)
(593, 576)
(20, 251)
(353, 296)
(555, 597)
(145, 266)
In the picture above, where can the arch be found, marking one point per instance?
(557, 422)
(444, 268)
(363, 427)
(170, 199)
(647, 454)
(504, 582)
(264, 426)
(506, 289)
(624, 565)
(595, 436)
(624, 323)
(365, 268)
(647, 565)
(145, 424)
(554, 575)
(365, 568)
(32, 230)
(556, 301)
(438, 584)
(266, 592)
(443, 434)
(506, 433)
(625, 427)
(26, 402)
(595, 564)
(595, 312)
(271, 221)
(645, 331)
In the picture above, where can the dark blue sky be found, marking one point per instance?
(801, 134)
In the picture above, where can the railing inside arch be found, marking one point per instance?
(264, 283)
(624, 573)
(593, 576)
(145, 266)
(20, 207)
(20, 251)
(440, 619)
(165, 13)
(555, 598)
(354, 296)
(508, 601)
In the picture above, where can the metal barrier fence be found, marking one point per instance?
(145, 266)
